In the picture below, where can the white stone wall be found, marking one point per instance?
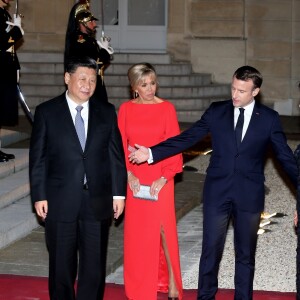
(219, 36)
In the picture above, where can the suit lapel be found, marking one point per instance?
(231, 120)
(92, 123)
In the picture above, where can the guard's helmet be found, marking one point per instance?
(84, 16)
(83, 13)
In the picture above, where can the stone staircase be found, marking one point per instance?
(42, 78)
(16, 216)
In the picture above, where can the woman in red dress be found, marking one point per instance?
(151, 254)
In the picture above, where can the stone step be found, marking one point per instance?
(15, 165)
(16, 216)
(40, 57)
(190, 116)
(14, 187)
(114, 68)
(130, 58)
(38, 90)
(16, 221)
(182, 92)
(42, 68)
(9, 137)
(133, 58)
(188, 110)
(180, 103)
(161, 69)
(42, 79)
(167, 92)
(34, 79)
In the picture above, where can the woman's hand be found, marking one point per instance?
(133, 182)
(157, 185)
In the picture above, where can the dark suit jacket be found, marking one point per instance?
(58, 164)
(234, 173)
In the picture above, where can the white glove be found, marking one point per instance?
(17, 22)
(104, 43)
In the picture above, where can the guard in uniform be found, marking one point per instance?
(10, 33)
(81, 41)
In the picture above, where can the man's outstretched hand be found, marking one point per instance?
(140, 155)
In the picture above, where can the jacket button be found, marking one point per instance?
(237, 155)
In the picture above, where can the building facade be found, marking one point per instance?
(216, 36)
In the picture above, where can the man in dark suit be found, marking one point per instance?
(241, 130)
(76, 184)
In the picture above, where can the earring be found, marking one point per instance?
(135, 94)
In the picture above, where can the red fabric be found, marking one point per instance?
(14, 287)
(144, 266)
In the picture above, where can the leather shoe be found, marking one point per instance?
(2, 159)
(6, 155)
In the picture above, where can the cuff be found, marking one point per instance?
(150, 159)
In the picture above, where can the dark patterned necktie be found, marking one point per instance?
(239, 127)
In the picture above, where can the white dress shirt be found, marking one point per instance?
(247, 116)
(84, 112)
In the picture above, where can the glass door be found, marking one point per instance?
(133, 25)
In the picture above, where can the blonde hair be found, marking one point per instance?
(137, 72)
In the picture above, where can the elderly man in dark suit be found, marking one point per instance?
(78, 180)
(241, 130)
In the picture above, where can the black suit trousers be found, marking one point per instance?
(215, 225)
(77, 248)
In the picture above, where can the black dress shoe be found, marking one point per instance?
(2, 159)
(6, 155)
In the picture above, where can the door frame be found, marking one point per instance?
(129, 38)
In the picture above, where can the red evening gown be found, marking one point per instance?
(145, 267)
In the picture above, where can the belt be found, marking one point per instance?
(85, 186)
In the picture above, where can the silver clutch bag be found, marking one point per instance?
(144, 193)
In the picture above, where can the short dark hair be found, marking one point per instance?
(73, 63)
(246, 73)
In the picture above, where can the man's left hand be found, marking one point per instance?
(118, 207)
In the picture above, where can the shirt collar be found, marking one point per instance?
(73, 104)
(248, 108)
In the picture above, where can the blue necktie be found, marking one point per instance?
(79, 126)
(239, 127)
